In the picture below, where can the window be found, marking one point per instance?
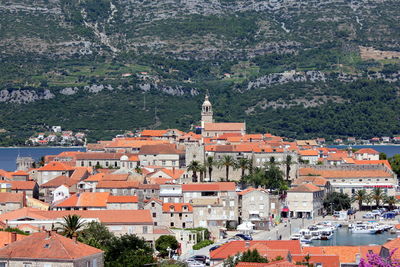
(131, 229)
(360, 180)
(153, 204)
(27, 264)
(163, 162)
(261, 206)
(145, 230)
(172, 224)
(232, 203)
(154, 214)
(172, 215)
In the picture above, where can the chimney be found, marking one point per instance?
(13, 237)
(23, 199)
(358, 257)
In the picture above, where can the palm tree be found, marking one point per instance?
(243, 164)
(368, 200)
(194, 167)
(209, 164)
(377, 195)
(227, 162)
(72, 225)
(288, 163)
(391, 201)
(202, 170)
(360, 196)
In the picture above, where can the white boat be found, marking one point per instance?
(364, 229)
(326, 234)
(306, 239)
(315, 234)
(296, 236)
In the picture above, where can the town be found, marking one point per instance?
(216, 196)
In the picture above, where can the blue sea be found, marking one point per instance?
(9, 155)
(389, 150)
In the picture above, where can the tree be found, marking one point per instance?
(210, 163)
(377, 195)
(256, 178)
(194, 168)
(274, 176)
(128, 250)
(391, 201)
(252, 256)
(337, 201)
(202, 170)
(97, 235)
(368, 200)
(243, 164)
(72, 225)
(382, 156)
(227, 162)
(288, 163)
(164, 242)
(395, 163)
(360, 196)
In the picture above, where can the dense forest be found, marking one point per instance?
(300, 69)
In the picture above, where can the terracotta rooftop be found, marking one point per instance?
(160, 149)
(153, 133)
(336, 173)
(367, 151)
(392, 245)
(60, 180)
(305, 188)
(117, 184)
(122, 199)
(220, 186)
(347, 254)
(282, 263)
(234, 247)
(7, 197)
(177, 207)
(6, 238)
(43, 245)
(225, 126)
(56, 166)
(100, 156)
(21, 185)
(316, 180)
(308, 153)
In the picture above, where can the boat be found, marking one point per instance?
(326, 234)
(296, 237)
(364, 229)
(305, 239)
(315, 234)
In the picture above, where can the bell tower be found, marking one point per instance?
(206, 112)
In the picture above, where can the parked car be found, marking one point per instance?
(200, 258)
(244, 237)
(351, 212)
(336, 213)
(377, 212)
(389, 215)
(397, 211)
(369, 215)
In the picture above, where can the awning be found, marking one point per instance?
(285, 209)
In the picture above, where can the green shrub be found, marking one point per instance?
(202, 244)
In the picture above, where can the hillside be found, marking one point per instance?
(302, 69)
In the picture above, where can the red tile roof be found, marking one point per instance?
(392, 245)
(56, 166)
(283, 263)
(60, 180)
(105, 216)
(335, 173)
(325, 260)
(153, 133)
(346, 254)
(11, 197)
(117, 184)
(224, 126)
(160, 149)
(177, 207)
(6, 238)
(98, 155)
(20, 185)
(86, 199)
(221, 186)
(305, 188)
(44, 246)
(373, 162)
(122, 199)
(234, 247)
(367, 151)
(308, 153)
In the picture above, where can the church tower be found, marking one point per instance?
(206, 112)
